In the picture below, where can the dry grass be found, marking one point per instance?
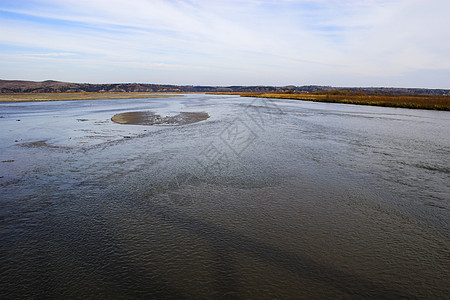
(420, 102)
(29, 97)
(412, 101)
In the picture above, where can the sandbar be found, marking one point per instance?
(150, 118)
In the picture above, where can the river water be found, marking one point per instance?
(265, 199)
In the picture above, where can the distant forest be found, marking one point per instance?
(51, 86)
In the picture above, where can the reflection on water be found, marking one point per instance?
(264, 199)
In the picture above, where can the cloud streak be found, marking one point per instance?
(346, 43)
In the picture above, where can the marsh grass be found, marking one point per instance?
(403, 101)
(30, 97)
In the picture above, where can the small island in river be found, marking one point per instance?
(150, 118)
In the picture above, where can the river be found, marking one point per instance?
(265, 199)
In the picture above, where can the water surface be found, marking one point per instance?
(263, 200)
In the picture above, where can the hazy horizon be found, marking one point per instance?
(376, 43)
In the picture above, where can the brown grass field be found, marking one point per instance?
(403, 101)
(29, 97)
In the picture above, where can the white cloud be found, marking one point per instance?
(246, 42)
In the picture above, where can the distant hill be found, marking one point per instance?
(51, 86)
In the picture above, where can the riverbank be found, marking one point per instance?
(401, 101)
(36, 97)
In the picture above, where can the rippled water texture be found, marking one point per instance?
(262, 200)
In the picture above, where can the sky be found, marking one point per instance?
(394, 43)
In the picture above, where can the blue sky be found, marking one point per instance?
(403, 43)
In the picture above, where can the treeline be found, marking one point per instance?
(50, 86)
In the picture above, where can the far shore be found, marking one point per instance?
(36, 97)
(399, 101)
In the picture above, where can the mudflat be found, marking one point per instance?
(150, 118)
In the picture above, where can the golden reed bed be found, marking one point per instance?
(415, 101)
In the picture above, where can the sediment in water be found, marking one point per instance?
(150, 118)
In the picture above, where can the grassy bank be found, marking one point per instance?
(29, 97)
(411, 101)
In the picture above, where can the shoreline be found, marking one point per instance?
(441, 103)
(32, 97)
